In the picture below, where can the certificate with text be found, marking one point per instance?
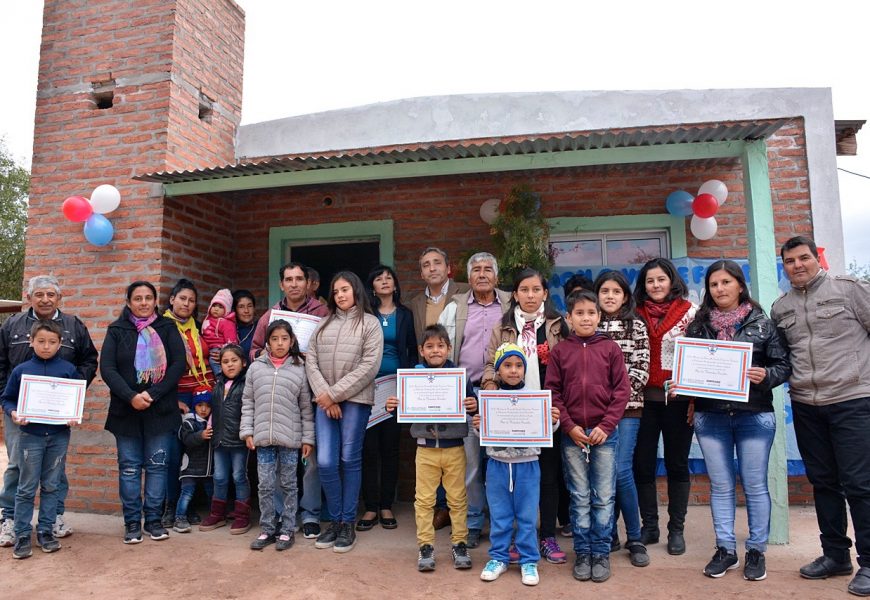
(51, 400)
(431, 395)
(385, 387)
(712, 369)
(303, 325)
(516, 418)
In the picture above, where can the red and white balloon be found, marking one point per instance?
(98, 230)
(702, 208)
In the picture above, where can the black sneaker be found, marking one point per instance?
(23, 547)
(156, 530)
(754, 568)
(461, 560)
(473, 538)
(193, 517)
(825, 566)
(182, 525)
(326, 539)
(310, 531)
(263, 540)
(132, 533)
(583, 567)
(47, 541)
(721, 562)
(346, 538)
(600, 567)
(168, 517)
(426, 558)
(284, 541)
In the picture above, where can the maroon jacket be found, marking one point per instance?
(311, 306)
(589, 382)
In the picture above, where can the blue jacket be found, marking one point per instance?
(53, 367)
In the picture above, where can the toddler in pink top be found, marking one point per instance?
(219, 326)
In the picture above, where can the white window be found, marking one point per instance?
(609, 248)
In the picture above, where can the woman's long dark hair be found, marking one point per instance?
(679, 289)
(626, 311)
(131, 288)
(550, 311)
(370, 285)
(360, 299)
(707, 302)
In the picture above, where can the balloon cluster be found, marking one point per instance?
(702, 207)
(78, 209)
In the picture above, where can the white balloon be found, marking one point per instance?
(105, 198)
(716, 188)
(703, 229)
(489, 210)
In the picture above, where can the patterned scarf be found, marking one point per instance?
(150, 360)
(527, 339)
(197, 366)
(725, 323)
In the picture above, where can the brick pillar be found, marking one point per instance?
(126, 87)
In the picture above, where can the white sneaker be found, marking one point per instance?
(7, 533)
(530, 574)
(61, 529)
(493, 570)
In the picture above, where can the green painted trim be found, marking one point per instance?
(764, 288)
(281, 237)
(676, 227)
(458, 166)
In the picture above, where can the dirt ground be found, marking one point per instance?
(95, 563)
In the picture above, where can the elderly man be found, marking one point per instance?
(826, 321)
(427, 305)
(470, 318)
(44, 296)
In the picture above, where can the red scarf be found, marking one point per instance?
(660, 319)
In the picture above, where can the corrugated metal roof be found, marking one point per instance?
(517, 145)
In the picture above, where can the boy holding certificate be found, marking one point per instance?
(590, 387)
(513, 484)
(440, 459)
(43, 447)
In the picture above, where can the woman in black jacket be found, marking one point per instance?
(728, 313)
(380, 469)
(142, 360)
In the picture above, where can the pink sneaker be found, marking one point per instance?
(551, 551)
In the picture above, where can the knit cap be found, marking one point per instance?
(506, 350)
(200, 395)
(225, 298)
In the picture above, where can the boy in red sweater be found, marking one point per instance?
(590, 388)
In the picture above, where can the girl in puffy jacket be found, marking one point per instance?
(277, 421)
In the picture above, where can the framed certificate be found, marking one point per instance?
(385, 387)
(51, 400)
(431, 395)
(303, 325)
(712, 369)
(516, 418)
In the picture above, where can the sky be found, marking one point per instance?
(304, 57)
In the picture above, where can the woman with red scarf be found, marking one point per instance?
(660, 294)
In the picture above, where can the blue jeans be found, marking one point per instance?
(339, 458)
(231, 462)
(752, 435)
(41, 461)
(173, 459)
(312, 494)
(513, 492)
(11, 436)
(591, 486)
(135, 454)
(626, 490)
(276, 469)
(188, 489)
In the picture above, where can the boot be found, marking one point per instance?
(678, 499)
(217, 517)
(242, 521)
(648, 501)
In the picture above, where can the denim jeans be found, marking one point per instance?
(11, 436)
(312, 493)
(592, 488)
(276, 469)
(231, 462)
(188, 489)
(751, 433)
(136, 454)
(626, 490)
(173, 459)
(513, 493)
(339, 458)
(41, 461)
(835, 445)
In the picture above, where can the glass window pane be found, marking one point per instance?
(634, 251)
(577, 253)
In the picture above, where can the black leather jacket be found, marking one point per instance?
(226, 412)
(770, 351)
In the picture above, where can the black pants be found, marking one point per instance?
(669, 420)
(380, 468)
(552, 487)
(834, 442)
